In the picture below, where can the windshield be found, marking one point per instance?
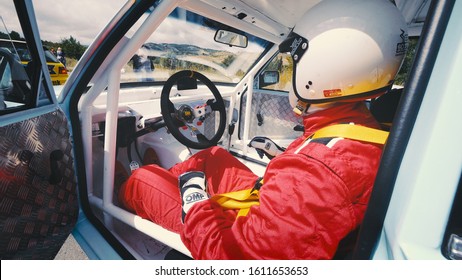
(186, 41)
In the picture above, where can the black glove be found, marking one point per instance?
(265, 146)
(192, 189)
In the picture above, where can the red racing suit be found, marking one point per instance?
(313, 195)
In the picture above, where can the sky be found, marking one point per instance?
(60, 19)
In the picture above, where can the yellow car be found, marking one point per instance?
(58, 72)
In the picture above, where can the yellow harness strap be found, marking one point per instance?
(241, 200)
(354, 132)
(244, 199)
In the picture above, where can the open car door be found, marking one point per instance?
(38, 197)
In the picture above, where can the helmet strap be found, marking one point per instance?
(301, 107)
(296, 45)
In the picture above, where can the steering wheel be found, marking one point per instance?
(185, 116)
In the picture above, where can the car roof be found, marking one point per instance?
(287, 13)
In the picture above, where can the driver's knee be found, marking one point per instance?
(216, 152)
(149, 182)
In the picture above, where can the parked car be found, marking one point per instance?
(58, 72)
(57, 155)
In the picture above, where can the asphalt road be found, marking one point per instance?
(71, 251)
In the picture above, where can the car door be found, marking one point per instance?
(38, 197)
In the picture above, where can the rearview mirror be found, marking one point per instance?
(231, 38)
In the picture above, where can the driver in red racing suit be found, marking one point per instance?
(314, 193)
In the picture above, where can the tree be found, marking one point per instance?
(228, 60)
(72, 48)
(15, 36)
(403, 73)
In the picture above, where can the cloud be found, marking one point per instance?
(60, 19)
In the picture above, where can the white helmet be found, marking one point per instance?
(346, 50)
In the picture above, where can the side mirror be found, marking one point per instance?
(231, 38)
(269, 78)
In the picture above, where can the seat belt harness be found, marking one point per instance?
(243, 200)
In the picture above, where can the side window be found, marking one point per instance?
(5, 80)
(281, 64)
(22, 83)
(15, 89)
(272, 115)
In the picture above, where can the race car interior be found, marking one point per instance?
(177, 111)
(166, 79)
